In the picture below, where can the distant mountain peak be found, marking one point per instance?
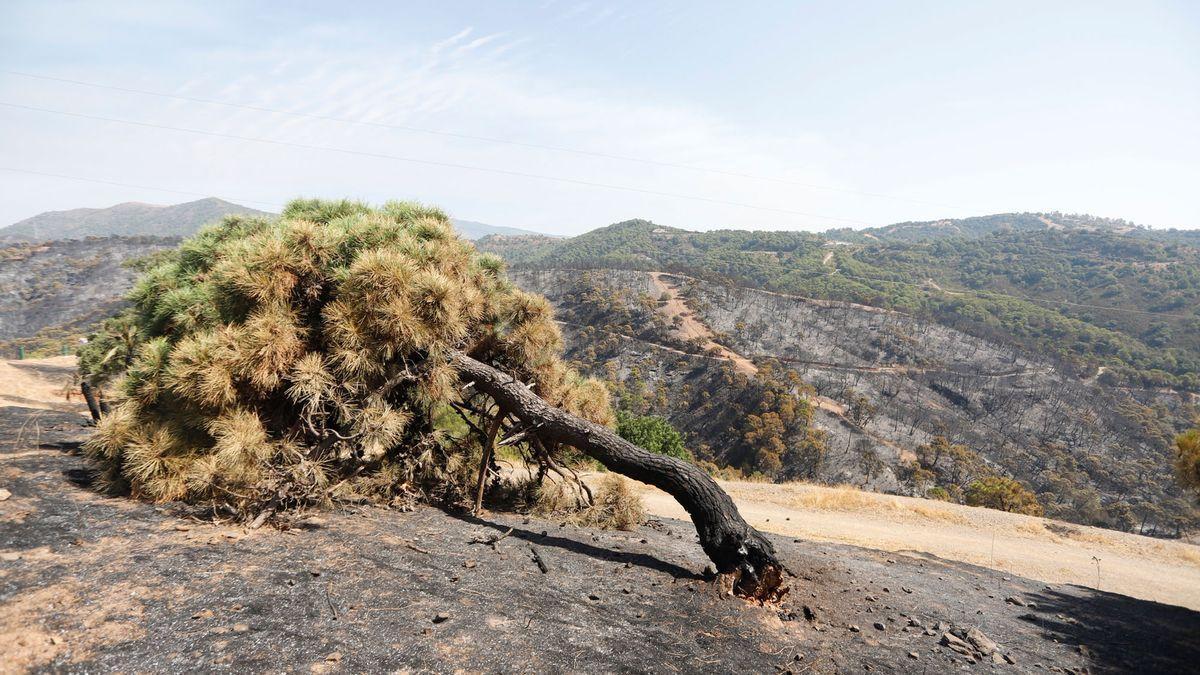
(125, 219)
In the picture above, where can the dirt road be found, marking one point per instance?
(1037, 548)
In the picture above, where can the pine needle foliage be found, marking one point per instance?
(287, 362)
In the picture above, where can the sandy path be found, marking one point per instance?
(1141, 567)
(40, 383)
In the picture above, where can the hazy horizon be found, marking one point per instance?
(564, 117)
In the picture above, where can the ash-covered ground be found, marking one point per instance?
(95, 584)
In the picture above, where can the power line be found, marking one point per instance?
(484, 139)
(101, 181)
(428, 162)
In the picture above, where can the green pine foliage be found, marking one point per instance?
(1003, 494)
(268, 364)
(652, 433)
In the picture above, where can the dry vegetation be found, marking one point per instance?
(1039, 548)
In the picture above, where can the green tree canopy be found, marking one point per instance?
(1004, 494)
(652, 433)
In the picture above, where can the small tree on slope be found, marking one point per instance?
(288, 362)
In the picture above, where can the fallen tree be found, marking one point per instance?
(737, 549)
(270, 365)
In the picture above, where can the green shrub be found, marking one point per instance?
(652, 433)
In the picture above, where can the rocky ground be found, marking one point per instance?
(89, 583)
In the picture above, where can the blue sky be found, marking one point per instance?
(783, 115)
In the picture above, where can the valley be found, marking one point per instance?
(884, 384)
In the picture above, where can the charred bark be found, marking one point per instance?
(89, 395)
(740, 552)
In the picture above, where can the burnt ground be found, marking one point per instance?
(90, 583)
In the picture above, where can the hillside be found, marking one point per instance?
(52, 293)
(982, 226)
(1087, 297)
(470, 229)
(1064, 356)
(863, 395)
(128, 219)
(367, 588)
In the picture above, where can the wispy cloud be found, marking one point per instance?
(452, 40)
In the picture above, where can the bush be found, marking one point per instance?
(1003, 494)
(1187, 459)
(286, 362)
(616, 505)
(652, 433)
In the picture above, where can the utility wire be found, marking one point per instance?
(485, 139)
(428, 162)
(101, 181)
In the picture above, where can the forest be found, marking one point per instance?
(1119, 303)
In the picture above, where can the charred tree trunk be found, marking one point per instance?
(740, 552)
(489, 444)
(89, 395)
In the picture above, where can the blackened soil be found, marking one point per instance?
(89, 583)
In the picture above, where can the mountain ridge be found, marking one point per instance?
(136, 219)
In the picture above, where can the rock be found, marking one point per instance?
(854, 629)
(10, 556)
(203, 614)
(913, 655)
(241, 628)
(333, 657)
(981, 642)
(441, 617)
(930, 631)
(469, 564)
(4, 494)
(956, 644)
(810, 614)
(914, 622)
(1014, 600)
(880, 626)
(997, 658)
(1009, 659)
(182, 528)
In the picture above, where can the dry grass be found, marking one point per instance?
(1033, 547)
(616, 503)
(616, 506)
(808, 497)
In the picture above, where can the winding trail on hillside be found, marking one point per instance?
(690, 328)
